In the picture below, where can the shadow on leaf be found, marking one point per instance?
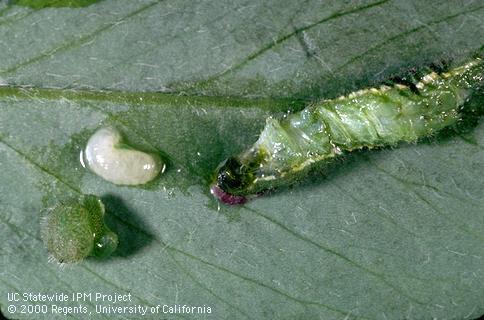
(133, 233)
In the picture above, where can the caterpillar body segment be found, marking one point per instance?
(364, 119)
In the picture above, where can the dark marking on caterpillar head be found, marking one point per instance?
(229, 176)
(233, 175)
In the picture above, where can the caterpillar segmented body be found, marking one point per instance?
(366, 118)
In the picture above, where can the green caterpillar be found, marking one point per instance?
(74, 230)
(367, 118)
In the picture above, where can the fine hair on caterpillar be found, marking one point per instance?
(411, 108)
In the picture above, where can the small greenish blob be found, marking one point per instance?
(40, 4)
(74, 230)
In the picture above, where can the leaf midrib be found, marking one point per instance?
(148, 98)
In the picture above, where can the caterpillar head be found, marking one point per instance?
(235, 179)
(74, 230)
(232, 176)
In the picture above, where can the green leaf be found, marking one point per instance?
(386, 234)
(39, 4)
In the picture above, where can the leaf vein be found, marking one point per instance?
(78, 41)
(405, 34)
(377, 275)
(288, 36)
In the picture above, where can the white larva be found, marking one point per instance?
(108, 158)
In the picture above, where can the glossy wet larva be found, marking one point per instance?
(108, 157)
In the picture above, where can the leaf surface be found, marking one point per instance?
(386, 234)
